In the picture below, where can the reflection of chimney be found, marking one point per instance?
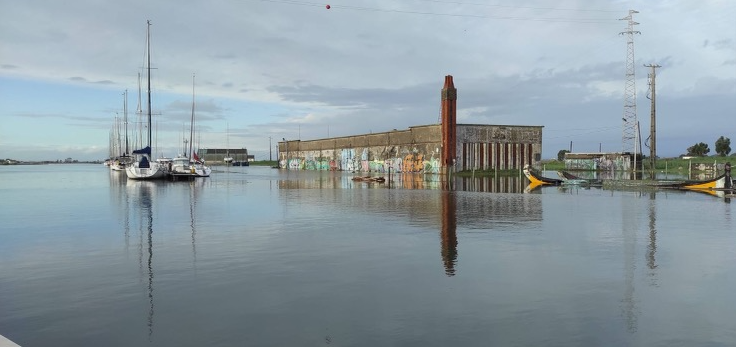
(449, 232)
(449, 121)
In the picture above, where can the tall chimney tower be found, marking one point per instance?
(449, 122)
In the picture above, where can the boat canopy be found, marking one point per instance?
(146, 150)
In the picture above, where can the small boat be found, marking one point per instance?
(121, 162)
(569, 178)
(183, 166)
(718, 183)
(379, 179)
(537, 179)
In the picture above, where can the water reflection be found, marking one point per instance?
(477, 212)
(135, 201)
(448, 231)
(413, 181)
(652, 248)
(118, 182)
(195, 187)
(630, 216)
(141, 193)
(491, 184)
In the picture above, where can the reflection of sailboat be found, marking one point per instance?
(144, 168)
(142, 194)
(449, 231)
(194, 187)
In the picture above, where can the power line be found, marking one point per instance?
(512, 18)
(594, 130)
(518, 7)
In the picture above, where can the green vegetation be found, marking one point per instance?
(270, 163)
(553, 164)
(680, 164)
(698, 150)
(561, 154)
(723, 146)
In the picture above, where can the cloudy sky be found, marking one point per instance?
(272, 69)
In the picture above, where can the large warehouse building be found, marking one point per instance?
(425, 148)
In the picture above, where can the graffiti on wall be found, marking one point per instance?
(359, 160)
(598, 164)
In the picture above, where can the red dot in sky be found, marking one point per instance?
(327, 7)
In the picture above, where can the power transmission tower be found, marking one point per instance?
(628, 139)
(653, 122)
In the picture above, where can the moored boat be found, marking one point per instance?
(143, 168)
(537, 179)
(379, 179)
(183, 166)
(569, 178)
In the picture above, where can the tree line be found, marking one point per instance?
(723, 148)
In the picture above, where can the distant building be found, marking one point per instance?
(218, 155)
(424, 148)
(600, 161)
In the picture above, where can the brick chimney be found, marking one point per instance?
(449, 122)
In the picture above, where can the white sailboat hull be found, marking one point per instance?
(155, 171)
(182, 167)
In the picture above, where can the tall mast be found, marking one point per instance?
(148, 48)
(125, 119)
(139, 115)
(191, 124)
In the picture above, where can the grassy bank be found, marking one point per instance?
(270, 163)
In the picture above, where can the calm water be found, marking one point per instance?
(254, 256)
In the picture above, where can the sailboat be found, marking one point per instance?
(124, 159)
(184, 166)
(228, 159)
(144, 168)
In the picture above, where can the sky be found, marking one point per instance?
(260, 71)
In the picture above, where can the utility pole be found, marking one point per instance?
(653, 122)
(269, 149)
(628, 138)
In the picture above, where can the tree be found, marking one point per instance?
(698, 149)
(723, 146)
(561, 154)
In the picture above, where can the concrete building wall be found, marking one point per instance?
(417, 149)
(412, 150)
